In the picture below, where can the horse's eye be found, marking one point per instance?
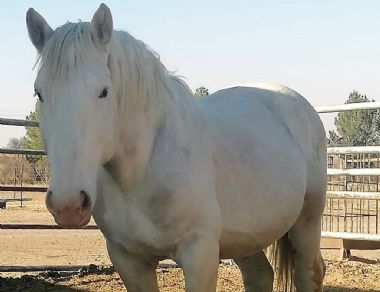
(104, 93)
(38, 94)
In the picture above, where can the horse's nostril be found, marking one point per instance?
(86, 200)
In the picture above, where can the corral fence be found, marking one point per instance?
(353, 191)
(19, 167)
(351, 213)
(39, 189)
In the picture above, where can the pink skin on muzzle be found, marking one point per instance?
(70, 213)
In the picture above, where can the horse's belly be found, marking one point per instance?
(236, 244)
(248, 230)
(258, 205)
(257, 212)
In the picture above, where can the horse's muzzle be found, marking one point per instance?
(70, 213)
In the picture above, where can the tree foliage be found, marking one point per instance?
(15, 143)
(201, 91)
(356, 128)
(12, 166)
(32, 139)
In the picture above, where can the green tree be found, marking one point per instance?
(201, 91)
(356, 128)
(32, 140)
(334, 139)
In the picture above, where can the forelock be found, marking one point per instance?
(65, 50)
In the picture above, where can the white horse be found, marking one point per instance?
(166, 176)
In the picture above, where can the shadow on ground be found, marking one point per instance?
(363, 260)
(342, 289)
(32, 284)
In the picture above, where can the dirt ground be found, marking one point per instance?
(46, 247)
(63, 247)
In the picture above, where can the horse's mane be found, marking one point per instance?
(138, 76)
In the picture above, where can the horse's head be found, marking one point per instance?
(78, 110)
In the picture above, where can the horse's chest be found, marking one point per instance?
(142, 229)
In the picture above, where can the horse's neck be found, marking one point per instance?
(138, 135)
(148, 98)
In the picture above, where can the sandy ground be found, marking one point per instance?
(63, 247)
(46, 247)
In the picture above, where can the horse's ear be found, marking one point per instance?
(102, 26)
(38, 29)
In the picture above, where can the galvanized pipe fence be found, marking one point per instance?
(353, 194)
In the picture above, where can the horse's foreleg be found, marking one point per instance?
(198, 256)
(257, 273)
(137, 276)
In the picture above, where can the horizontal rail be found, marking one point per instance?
(319, 109)
(61, 268)
(354, 150)
(72, 268)
(347, 107)
(351, 236)
(353, 171)
(22, 151)
(353, 195)
(23, 189)
(348, 215)
(16, 122)
(15, 200)
(45, 227)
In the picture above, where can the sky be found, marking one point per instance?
(322, 49)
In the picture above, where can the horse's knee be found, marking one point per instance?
(257, 273)
(199, 258)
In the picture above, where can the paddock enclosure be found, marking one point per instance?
(36, 255)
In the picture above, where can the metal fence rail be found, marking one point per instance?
(353, 195)
(45, 226)
(22, 151)
(347, 107)
(351, 236)
(354, 150)
(354, 171)
(23, 189)
(17, 122)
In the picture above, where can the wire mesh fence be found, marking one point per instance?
(351, 215)
(352, 203)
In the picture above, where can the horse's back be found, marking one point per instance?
(267, 110)
(266, 143)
